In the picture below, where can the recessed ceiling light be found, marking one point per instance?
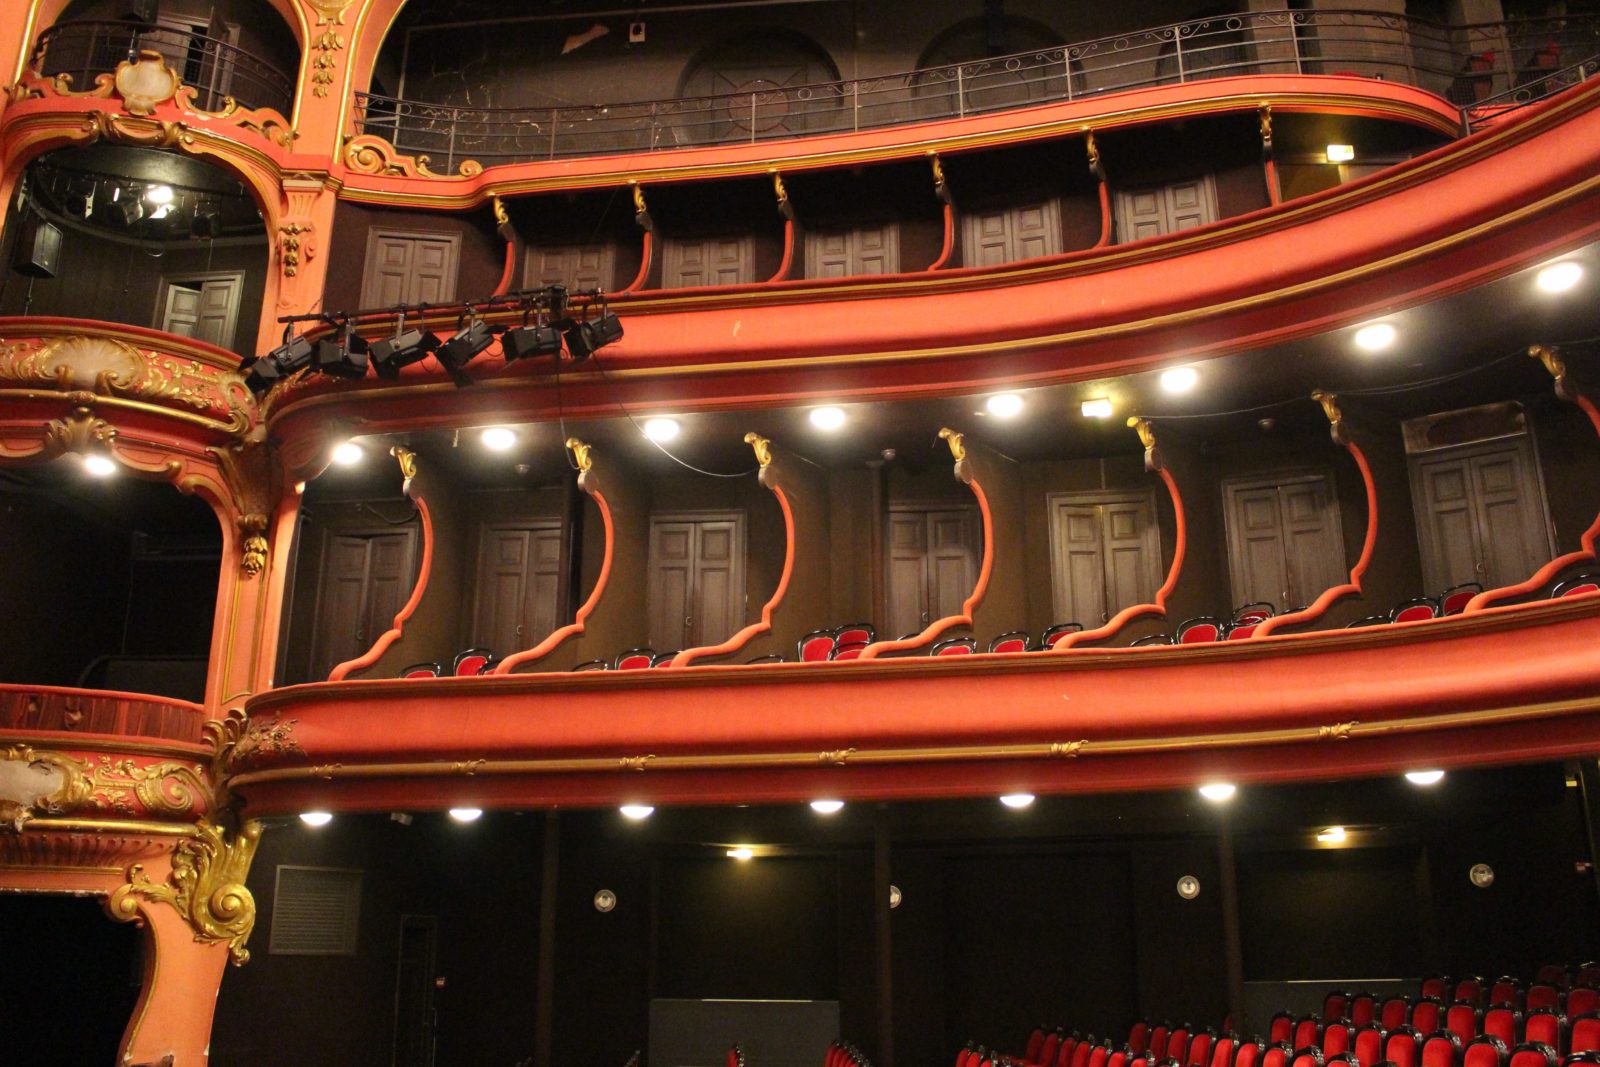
(499, 438)
(1179, 379)
(1559, 277)
(1373, 338)
(827, 418)
(348, 454)
(98, 465)
(827, 807)
(1333, 835)
(466, 814)
(1341, 153)
(1017, 800)
(316, 818)
(1424, 777)
(636, 811)
(1098, 408)
(740, 853)
(159, 194)
(661, 429)
(1004, 405)
(1218, 792)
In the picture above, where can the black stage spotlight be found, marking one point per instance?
(128, 209)
(583, 338)
(207, 221)
(281, 362)
(403, 349)
(79, 202)
(527, 341)
(344, 354)
(457, 352)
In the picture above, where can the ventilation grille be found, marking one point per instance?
(316, 911)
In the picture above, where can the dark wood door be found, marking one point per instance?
(698, 261)
(853, 252)
(1008, 234)
(415, 1012)
(203, 307)
(1162, 209)
(518, 592)
(1105, 553)
(696, 595)
(932, 565)
(366, 579)
(1285, 544)
(409, 268)
(1481, 514)
(576, 266)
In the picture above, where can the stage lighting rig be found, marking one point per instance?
(403, 349)
(343, 354)
(470, 339)
(539, 339)
(585, 336)
(262, 372)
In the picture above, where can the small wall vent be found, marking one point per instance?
(316, 911)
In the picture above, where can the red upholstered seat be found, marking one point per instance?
(1333, 1008)
(1455, 599)
(1544, 1026)
(1139, 1032)
(1248, 1054)
(1581, 1000)
(1435, 984)
(1047, 1050)
(1427, 1015)
(1098, 1055)
(1307, 1033)
(1080, 1055)
(1048, 639)
(422, 670)
(1178, 1044)
(1277, 1054)
(851, 632)
(1588, 975)
(815, 646)
(1222, 1050)
(1015, 641)
(1532, 1054)
(635, 659)
(1259, 611)
(1394, 1013)
(1036, 1040)
(1484, 1051)
(1362, 1009)
(1158, 1040)
(735, 1054)
(956, 646)
(1506, 992)
(1441, 1049)
(1199, 631)
(1468, 990)
(1335, 1040)
(1280, 1029)
(1503, 1022)
(1199, 1049)
(1555, 974)
(1307, 1057)
(1403, 1047)
(470, 662)
(1242, 631)
(1366, 1045)
(1413, 611)
(850, 651)
(1118, 1058)
(662, 659)
(1585, 1036)
(1584, 583)
(1543, 995)
(1462, 1020)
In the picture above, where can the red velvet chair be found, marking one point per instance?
(1260, 611)
(1585, 1034)
(851, 632)
(1080, 1054)
(1455, 599)
(1199, 1054)
(662, 659)
(1441, 1049)
(1370, 620)
(1427, 1015)
(1241, 631)
(1362, 1009)
(1334, 1007)
(1280, 1029)
(1141, 1060)
(1098, 1055)
(635, 659)
(955, 646)
(1588, 975)
(1394, 1013)
(1581, 1000)
(471, 662)
(1555, 974)
(1223, 1048)
(850, 651)
(1118, 1058)
(1307, 1033)
(592, 665)
(1486, 1050)
(1014, 641)
(1065, 1050)
(1503, 1022)
(1468, 989)
(1542, 995)
(1248, 1054)
(1544, 1026)
(1153, 639)
(1310, 1056)
(1366, 1045)
(736, 1057)
(1158, 1040)
(1587, 1058)
(1178, 1044)
(1506, 992)
(1335, 1040)
(1139, 1032)
(1277, 1054)
(1403, 1047)
(1583, 583)
(816, 646)
(1200, 630)
(1030, 1054)
(423, 670)
(1413, 610)
(1046, 1053)
(1048, 639)
(1462, 1020)
(1533, 1054)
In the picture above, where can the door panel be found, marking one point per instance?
(1314, 549)
(183, 310)
(409, 268)
(1480, 514)
(1515, 535)
(688, 261)
(697, 591)
(1285, 545)
(671, 583)
(1191, 204)
(519, 588)
(718, 606)
(1447, 522)
(1133, 555)
(1079, 564)
(1006, 235)
(931, 566)
(580, 266)
(339, 602)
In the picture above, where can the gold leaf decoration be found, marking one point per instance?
(206, 887)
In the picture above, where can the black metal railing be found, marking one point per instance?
(1464, 64)
(1530, 92)
(216, 69)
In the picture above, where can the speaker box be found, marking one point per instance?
(39, 248)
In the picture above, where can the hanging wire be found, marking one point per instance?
(594, 358)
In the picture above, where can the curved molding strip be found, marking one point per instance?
(408, 467)
(763, 449)
(586, 482)
(1153, 461)
(1330, 406)
(1551, 358)
(965, 474)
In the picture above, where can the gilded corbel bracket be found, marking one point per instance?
(1264, 119)
(1330, 408)
(941, 188)
(641, 211)
(247, 471)
(1550, 356)
(958, 447)
(785, 206)
(1153, 459)
(582, 454)
(206, 887)
(1092, 147)
(408, 466)
(762, 447)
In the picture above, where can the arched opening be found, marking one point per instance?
(140, 237)
(112, 581)
(238, 49)
(764, 84)
(993, 62)
(72, 979)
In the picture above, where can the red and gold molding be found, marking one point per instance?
(1504, 685)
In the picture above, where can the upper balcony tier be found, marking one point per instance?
(1479, 68)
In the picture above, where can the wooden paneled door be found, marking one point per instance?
(366, 578)
(696, 592)
(203, 306)
(932, 564)
(1010, 234)
(1105, 554)
(517, 600)
(580, 266)
(405, 267)
(1481, 514)
(1285, 544)
(853, 252)
(1163, 209)
(697, 261)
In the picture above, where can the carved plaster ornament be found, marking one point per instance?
(1264, 119)
(1093, 148)
(1550, 356)
(958, 449)
(145, 82)
(1330, 408)
(762, 446)
(941, 188)
(206, 887)
(32, 782)
(580, 454)
(641, 212)
(785, 208)
(1153, 459)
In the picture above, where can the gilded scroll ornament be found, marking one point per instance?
(371, 154)
(108, 366)
(137, 130)
(958, 448)
(237, 741)
(1067, 749)
(407, 460)
(500, 216)
(634, 763)
(1092, 147)
(80, 431)
(1330, 408)
(35, 781)
(145, 82)
(1153, 459)
(1264, 121)
(762, 446)
(289, 246)
(1550, 356)
(580, 454)
(835, 757)
(1339, 731)
(206, 887)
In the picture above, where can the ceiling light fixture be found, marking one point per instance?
(499, 438)
(741, 853)
(827, 807)
(1179, 379)
(1218, 792)
(316, 818)
(1340, 153)
(661, 430)
(159, 194)
(1559, 277)
(636, 812)
(1004, 405)
(99, 465)
(1017, 800)
(1333, 835)
(466, 814)
(1098, 408)
(827, 418)
(1376, 337)
(1424, 777)
(348, 454)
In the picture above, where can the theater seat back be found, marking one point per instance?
(1222, 1050)
(1441, 1049)
(1335, 1040)
(1098, 1056)
(1276, 1055)
(1581, 1000)
(1280, 1029)
(1119, 1058)
(1035, 1043)
(1366, 1046)
(1047, 1050)
(1506, 992)
(1542, 995)
(1333, 1008)
(1394, 1013)
(1427, 1015)
(1402, 1047)
(1080, 1055)
(1532, 1054)
(1178, 1044)
(1503, 1023)
(1248, 1054)
(1585, 1033)
(1307, 1033)
(1544, 1027)
(1362, 1009)
(1462, 1020)
(1307, 1057)
(1139, 1037)
(1199, 1050)
(1484, 1051)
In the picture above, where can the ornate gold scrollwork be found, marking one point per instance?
(137, 130)
(207, 887)
(500, 216)
(145, 82)
(941, 188)
(289, 246)
(835, 757)
(762, 446)
(328, 43)
(1339, 731)
(408, 464)
(1067, 749)
(371, 154)
(237, 741)
(1264, 121)
(1092, 147)
(634, 763)
(80, 431)
(958, 448)
(166, 788)
(248, 473)
(1330, 408)
(62, 784)
(1550, 356)
(1153, 459)
(581, 454)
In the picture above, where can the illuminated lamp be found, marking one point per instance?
(585, 338)
(101, 466)
(1098, 408)
(1017, 800)
(1341, 153)
(827, 807)
(159, 194)
(1333, 835)
(1218, 792)
(741, 853)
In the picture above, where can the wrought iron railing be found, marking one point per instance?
(1530, 92)
(216, 69)
(1463, 64)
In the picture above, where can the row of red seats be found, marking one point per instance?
(844, 1054)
